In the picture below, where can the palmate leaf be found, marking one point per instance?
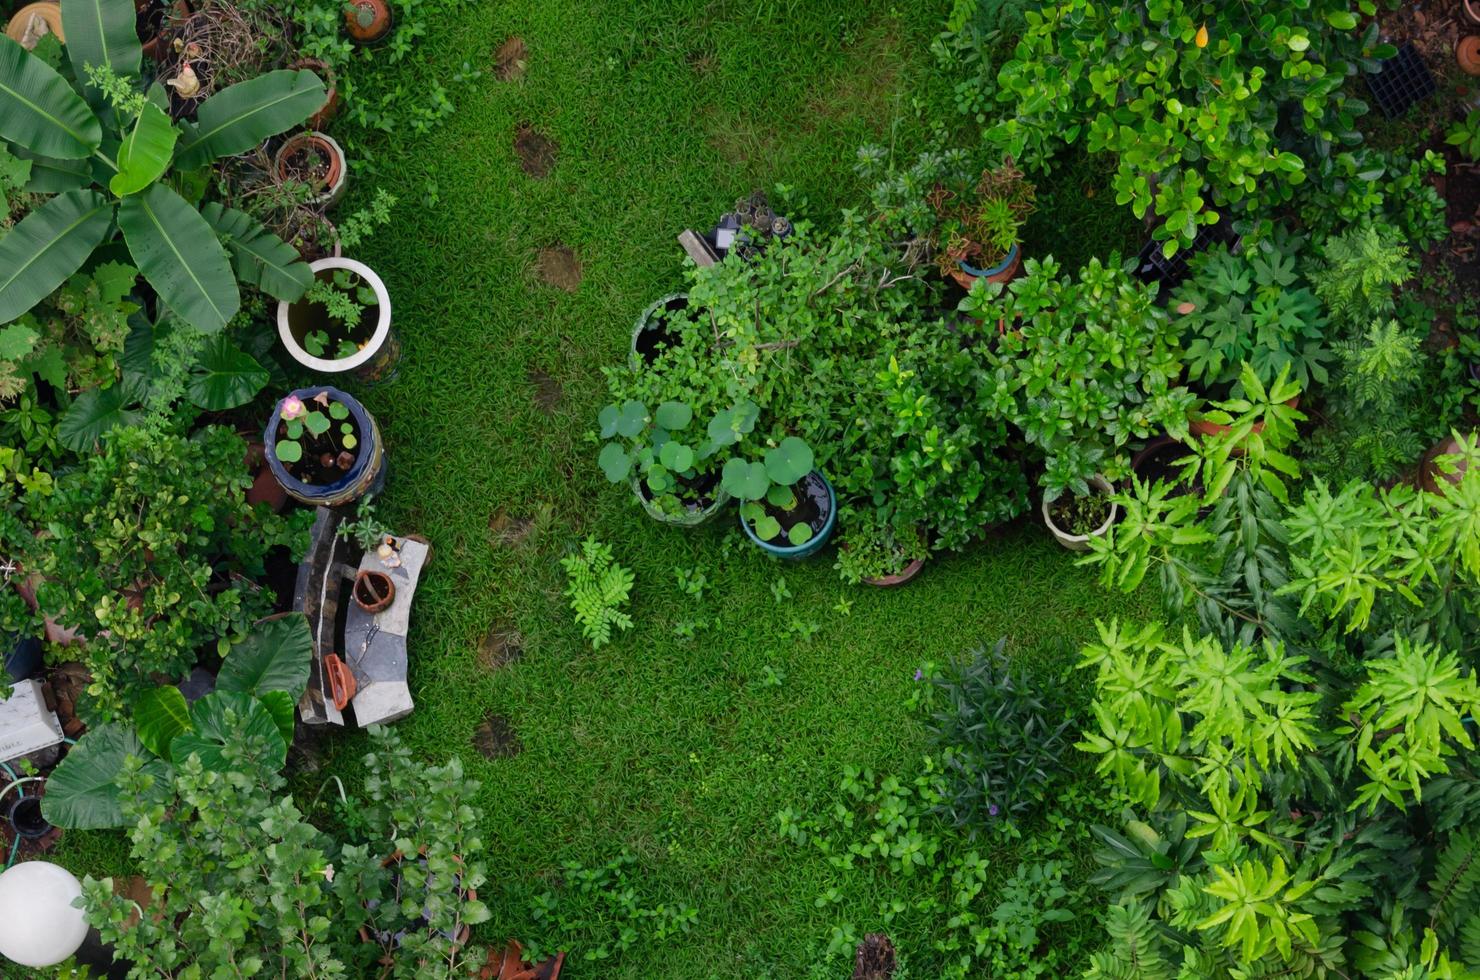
(80, 793)
(38, 109)
(101, 32)
(225, 376)
(47, 246)
(145, 153)
(240, 117)
(273, 657)
(181, 257)
(259, 257)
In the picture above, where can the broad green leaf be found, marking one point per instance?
(38, 109)
(50, 176)
(632, 420)
(789, 461)
(287, 451)
(92, 414)
(238, 118)
(80, 793)
(614, 462)
(273, 657)
(607, 420)
(225, 376)
(745, 480)
(160, 714)
(231, 718)
(17, 341)
(47, 246)
(800, 534)
(673, 415)
(280, 704)
(144, 155)
(101, 32)
(181, 257)
(260, 258)
(677, 457)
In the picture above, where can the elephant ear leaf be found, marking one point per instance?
(81, 793)
(239, 117)
(48, 245)
(145, 153)
(101, 32)
(227, 718)
(259, 257)
(92, 414)
(280, 705)
(38, 109)
(225, 376)
(181, 257)
(275, 656)
(160, 714)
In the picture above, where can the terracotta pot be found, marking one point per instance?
(265, 488)
(338, 169)
(33, 21)
(155, 40)
(1433, 479)
(330, 109)
(367, 21)
(1004, 271)
(1470, 9)
(904, 575)
(1467, 53)
(373, 591)
(1199, 427)
(1080, 542)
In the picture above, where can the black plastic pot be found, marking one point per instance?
(25, 818)
(24, 659)
(1154, 267)
(1401, 82)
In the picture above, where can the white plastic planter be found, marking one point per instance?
(290, 333)
(1080, 542)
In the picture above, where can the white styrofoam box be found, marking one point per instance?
(26, 724)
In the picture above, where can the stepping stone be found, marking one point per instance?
(375, 643)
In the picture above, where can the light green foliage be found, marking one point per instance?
(1362, 267)
(601, 912)
(366, 530)
(873, 549)
(597, 588)
(72, 339)
(1465, 134)
(1195, 128)
(359, 225)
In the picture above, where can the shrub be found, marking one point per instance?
(597, 589)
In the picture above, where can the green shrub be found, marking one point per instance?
(597, 588)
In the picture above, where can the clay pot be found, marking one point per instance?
(367, 21)
(325, 146)
(373, 591)
(1004, 271)
(330, 109)
(1470, 9)
(34, 21)
(1467, 53)
(1080, 542)
(265, 488)
(899, 578)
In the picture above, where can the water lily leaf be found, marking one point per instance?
(790, 461)
(766, 527)
(316, 422)
(615, 463)
(287, 451)
(674, 416)
(633, 419)
(799, 534)
(677, 457)
(745, 480)
(607, 419)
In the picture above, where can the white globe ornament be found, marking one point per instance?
(38, 925)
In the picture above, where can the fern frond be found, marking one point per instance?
(1456, 885)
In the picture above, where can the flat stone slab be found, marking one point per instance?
(27, 725)
(375, 643)
(316, 594)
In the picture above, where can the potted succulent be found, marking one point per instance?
(1076, 518)
(656, 329)
(316, 160)
(977, 232)
(875, 553)
(788, 508)
(672, 467)
(342, 323)
(367, 22)
(324, 448)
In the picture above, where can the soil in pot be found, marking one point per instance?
(655, 337)
(324, 457)
(813, 507)
(26, 819)
(1159, 461)
(1081, 515)
(308, 161)
(374, 591)
(697, 492)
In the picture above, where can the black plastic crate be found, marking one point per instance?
(1154, 267)
(1402, 81)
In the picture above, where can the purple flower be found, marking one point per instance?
(992, 809)
(918, 674)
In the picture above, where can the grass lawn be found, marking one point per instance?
(658, 115)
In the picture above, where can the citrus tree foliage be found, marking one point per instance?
(242, 884)
(1298, 756)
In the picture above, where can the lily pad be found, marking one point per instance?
(745, 480)
(607, 419)
(677, 457)
(789, 462)
(632, 420)
(287, 451)
(615, 463)
(674, 416)
(800, 534)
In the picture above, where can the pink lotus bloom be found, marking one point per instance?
(293, 408)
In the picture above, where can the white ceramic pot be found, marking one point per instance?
(1080, 542)
(382, 334)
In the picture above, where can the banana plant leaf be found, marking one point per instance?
(50, 176)
(101, 32)
(48, 245)
(259, 257)
(179, 254)
(236, 119)
(145, 153)
(38, 109)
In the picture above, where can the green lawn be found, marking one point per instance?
(675, 749)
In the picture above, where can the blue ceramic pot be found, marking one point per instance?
(798, 552)
(367, 475)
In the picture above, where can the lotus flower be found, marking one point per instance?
(293, 408)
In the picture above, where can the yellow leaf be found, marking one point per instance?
(1202, 36)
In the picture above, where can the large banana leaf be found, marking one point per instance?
(179, 254)
(260, 258)
(237, 118)
(47, 246)
(39, 110)
(101, 32)
(50, 176)
(145, 153)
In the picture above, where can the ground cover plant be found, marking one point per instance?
(1232, 739)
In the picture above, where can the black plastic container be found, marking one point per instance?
(1154, 267)
(26, 819)
(1401, 82)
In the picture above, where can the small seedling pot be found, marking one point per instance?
(1471, 11)
(325, 71)
(367, 475)
(1467, 53)
(24, 814)
(1080, 542)
(376, 361)
(20, 29)
(335, 180)
(649, 331)
(373, 591)
(821, 491)
(1004, 271)
(367, 22)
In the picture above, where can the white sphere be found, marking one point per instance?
(38, 925)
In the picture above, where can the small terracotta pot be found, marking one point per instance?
(1202, 428)
(1471, 11)
(373, 591)
(265, 488)
(50, 13)
(375, 26)
(1467, 53)
(330, 109)
(334, 179)
(904, 575)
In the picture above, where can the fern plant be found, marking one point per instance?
(1362, 267)
(598, 586)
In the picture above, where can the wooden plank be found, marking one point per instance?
(316, 594)
(698, 248)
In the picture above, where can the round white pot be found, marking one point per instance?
(1080, 542)
(377, 339)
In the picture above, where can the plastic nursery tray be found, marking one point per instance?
(1153, 267)
(1402, 81)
